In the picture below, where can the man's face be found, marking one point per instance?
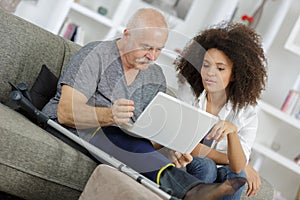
(144, 46)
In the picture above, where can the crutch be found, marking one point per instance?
(25, 104)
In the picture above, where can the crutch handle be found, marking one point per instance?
(27, 106)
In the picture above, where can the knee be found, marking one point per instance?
(233, 174)
(242, 174)
(203, 168)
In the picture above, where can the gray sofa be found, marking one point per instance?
(33, 163)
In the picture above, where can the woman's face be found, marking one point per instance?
(216, 71)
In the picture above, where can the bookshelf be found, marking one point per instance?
(273, 123)
(51, 15)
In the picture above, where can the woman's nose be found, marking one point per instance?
(211, 71)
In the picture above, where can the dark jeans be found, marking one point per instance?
(206, 170)
(140, 155)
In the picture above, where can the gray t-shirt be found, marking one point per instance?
(97, 72)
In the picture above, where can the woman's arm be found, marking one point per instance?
(253, 180)
(235, 153)
(203, 150)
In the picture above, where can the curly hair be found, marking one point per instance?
(242, 45)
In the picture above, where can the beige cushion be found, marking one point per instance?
(108, 183)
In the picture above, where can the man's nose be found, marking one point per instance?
(152, 55)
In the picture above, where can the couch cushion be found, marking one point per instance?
(108, 183)
(24, 47)
(36, 165)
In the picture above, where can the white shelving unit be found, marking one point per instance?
(276, 157)
(272, 17)
(276, 147)
(273, 123)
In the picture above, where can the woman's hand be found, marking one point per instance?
(253, 180)
(221, 129)
(122, 111)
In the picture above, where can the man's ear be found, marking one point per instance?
(126, 33)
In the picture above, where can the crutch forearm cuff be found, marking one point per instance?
(161, 171)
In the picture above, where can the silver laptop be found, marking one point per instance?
(172, 123)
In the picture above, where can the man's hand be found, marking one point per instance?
(180, 160)
(122, 111)
(253, 180)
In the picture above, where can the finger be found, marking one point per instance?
(223, 134)
(172, 156)
(221, 137)
(124, 102)
(252, 192)
(216, 130)
(177, 164)
(212, 131)
(122, 108)
(249, 191)
(188, 157)
(120, 120)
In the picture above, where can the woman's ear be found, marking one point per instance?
(232, 78)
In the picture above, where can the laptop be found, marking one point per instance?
(172, 123)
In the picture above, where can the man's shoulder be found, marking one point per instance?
(100, 45)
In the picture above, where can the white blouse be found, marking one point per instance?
(246, 119)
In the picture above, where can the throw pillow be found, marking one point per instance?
(44, 88)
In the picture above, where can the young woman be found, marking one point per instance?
(224, 67)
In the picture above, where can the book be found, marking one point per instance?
(293, 101)
(64, 27)
(290, 102)
(79, 37)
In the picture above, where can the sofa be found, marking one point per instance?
(33, 163)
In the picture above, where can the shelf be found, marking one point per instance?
(276, 157)
(91, 14)
(279, 114)
(93, 30)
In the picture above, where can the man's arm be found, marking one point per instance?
(74, 112)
